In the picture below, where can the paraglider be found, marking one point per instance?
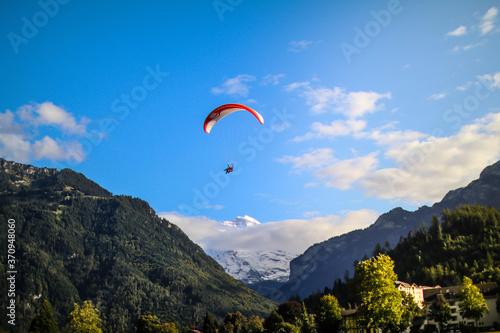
(226, 109)
(229, 168)
(222, 111)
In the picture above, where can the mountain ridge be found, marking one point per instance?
(323, 262)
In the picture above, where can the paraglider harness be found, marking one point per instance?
(229, 168)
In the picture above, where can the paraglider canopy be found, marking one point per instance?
(226, 109)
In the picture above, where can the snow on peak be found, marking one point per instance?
(241, 222)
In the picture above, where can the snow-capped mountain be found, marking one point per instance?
(242, 222)
(255, 266)
(251, 266)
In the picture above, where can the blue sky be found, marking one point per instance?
(367, 106)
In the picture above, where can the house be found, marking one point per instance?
(424, 296)
(490, 292)
(416, 291)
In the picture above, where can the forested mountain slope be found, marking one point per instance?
(75, 241)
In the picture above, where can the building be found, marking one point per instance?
(416, 291)
(490, 292)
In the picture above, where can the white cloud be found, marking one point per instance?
(393, 137)
(272, 79)
(465, 86)
(293, 236)
(427, 169)
(15, 147)
(351, 104)
(334, 129)
(309, 161)
(488, 21)
(51, 115)
(19, 132)
(461, 30)
(343, 174)
(469, 46)
(436, 97)
(235, 86)
(299, 46)
(55, 150)
(492, 80)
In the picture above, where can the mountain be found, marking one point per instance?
(241, 222)
(322, 263)
(262, 271)
(76, 241)
(255, 266)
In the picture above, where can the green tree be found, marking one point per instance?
(307, 321)
(209, 324)
(328, 315)
(167, 328)
(147, 324)
(381, 301)
(254, 325)
(235, 322)
(44, 322)
(288, 328)
(273, 322)
(290, 311)
(440, 311)
(85, 319)
(473, 304)
(413, 314)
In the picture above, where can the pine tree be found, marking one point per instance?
(44, 322)
(273, 323)
(307, 321)
(328, 315)
(209, 324)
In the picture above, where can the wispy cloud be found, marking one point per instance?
(19, 133)
(438, 96)
(300, 46)
(309, 161)
(492, 79)
(335, 129)
(343, 174)
(488, 21)
(460, 31)
(351, 104)
(293, 236)
(469, 46)
(236, 86)
(272, 79)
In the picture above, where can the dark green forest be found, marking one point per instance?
(75, 241)
(462, 242)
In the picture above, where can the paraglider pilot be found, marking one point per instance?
(229, 168)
